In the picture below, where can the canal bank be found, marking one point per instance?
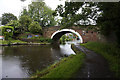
(92, 66)
(65, 68)
(19, 42)
(45, 61)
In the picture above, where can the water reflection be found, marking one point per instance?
(22, 61)
(12, 68)
(66, 49)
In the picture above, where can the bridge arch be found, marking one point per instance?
(58, 34)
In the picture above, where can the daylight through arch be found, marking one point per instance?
(56, 35)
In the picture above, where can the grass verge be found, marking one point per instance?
(65, 68)
(110, 53)
(11, 41)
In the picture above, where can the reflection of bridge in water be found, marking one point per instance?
(55, 33)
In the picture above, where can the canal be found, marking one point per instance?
(24, 61)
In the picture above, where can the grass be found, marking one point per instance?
(110, 52)
(65, 68)
(11, 41)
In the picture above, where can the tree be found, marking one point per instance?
(14, 23)
(24, 12)
(24, 23)
(7, 17)
(110, 18)
(77, 13)
(34, 27)
(41, 13)
(67, 13)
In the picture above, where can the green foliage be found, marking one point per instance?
(7, 31)
(14, 23)
(42, 39)
(7, 17)
(65, 38)
(38, 39)
(110, 53)
(66, 70)
(45, 40)
(110, 18)
(22, 37)
(73, 13)
(41, 13)
(9, 42)
(25, 21)
(24, 12)
(34, 27)
(62, 39)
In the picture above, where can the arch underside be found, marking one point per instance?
(58, 34)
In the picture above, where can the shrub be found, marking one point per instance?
(34, 27)
(45, 40)
(7, 31)
(16, 25)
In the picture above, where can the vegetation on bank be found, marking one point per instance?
(35, 38)
(38, 15)
(65, 68)
(40, 41)
(110, 53)
(11, 41)
(6, 31)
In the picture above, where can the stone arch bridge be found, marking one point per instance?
(55, 33)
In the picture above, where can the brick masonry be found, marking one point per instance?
(86, 35)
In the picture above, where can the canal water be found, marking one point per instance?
(24, 61)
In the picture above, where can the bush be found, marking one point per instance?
(34, 27)
(45, 40)
(7, 31)
(16, 25)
